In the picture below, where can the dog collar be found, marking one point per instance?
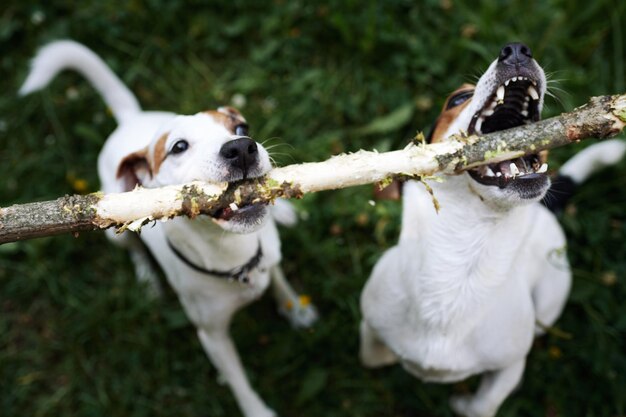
(239, 274)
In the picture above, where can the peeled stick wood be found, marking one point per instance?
(602, 117)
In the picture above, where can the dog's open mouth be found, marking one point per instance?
(235, 212)
(514, 103)
(502, 173)
(243, 217)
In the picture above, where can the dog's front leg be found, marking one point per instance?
(494, 388)
(297, 308)
(220, 349)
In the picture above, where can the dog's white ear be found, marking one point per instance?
(134, 169)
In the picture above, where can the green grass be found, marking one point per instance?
(79, 338)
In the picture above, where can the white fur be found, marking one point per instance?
(593, 158)
(210, 302)
(461, 292)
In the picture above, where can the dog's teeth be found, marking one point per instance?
(543, 168)
(524, 113)
(506, 83)
(489, 172)
(514, 79)
(514, 170)
(233, 206)
(534, 83)
(487, 112)
(500, 93)
(478, 125)
(498, 174)
(533, 93)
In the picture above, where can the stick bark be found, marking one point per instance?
(600, 118)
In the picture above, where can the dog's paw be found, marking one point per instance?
(467, 406)
(300, 312)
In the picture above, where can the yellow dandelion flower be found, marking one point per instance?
(304, 300)
(80, 185)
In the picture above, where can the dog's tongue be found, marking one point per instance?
(226, 214)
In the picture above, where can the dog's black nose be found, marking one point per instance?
(241, 153)
(515, 54)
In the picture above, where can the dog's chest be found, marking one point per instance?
(452, 313)
(448, 342)
(208, 301)
(204, 285)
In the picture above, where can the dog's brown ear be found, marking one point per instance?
(134, 169)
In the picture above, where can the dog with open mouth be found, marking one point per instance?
(215, 265)
(466, 290)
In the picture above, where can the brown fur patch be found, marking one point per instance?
(231, 111)
(160, 153)
(229, 117)
(447, 116)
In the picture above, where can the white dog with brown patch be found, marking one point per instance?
(216, 266)
(465, 290)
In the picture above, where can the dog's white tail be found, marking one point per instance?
(60, 55)
(592, 159)
(284, 213)
(575, 171)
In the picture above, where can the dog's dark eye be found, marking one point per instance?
(180, 147)
(241, 130)
(459, 98)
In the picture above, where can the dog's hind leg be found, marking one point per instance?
(296, 308)
(493, 390)
(221, 351)
(373, 352)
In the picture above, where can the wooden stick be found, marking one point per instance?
(601, 117)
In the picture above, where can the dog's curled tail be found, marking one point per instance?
(576, 170)
(60, 55)
(284, 213)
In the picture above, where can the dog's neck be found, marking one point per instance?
(464, 252)
(207, 245)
